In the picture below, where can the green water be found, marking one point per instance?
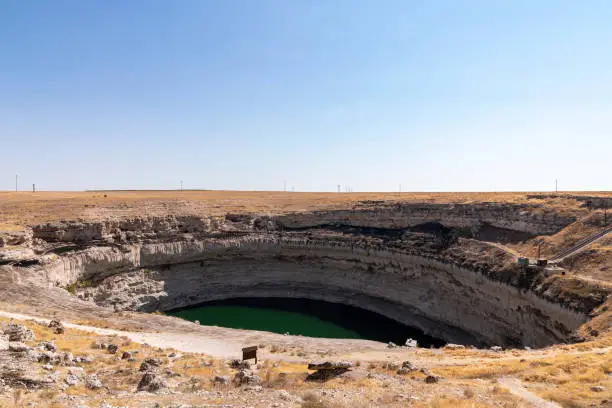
(272, 320)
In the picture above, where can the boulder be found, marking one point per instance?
(245, 376)
(432, 379)
(330, 365)
(18, 332)
(150, 364)
(239, 364)
(112, 348)
(151, 382)
(597, 388)
(57, 326)
(126, 355)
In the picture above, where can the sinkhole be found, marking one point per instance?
(306, 317)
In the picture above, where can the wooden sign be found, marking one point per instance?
(249, 353)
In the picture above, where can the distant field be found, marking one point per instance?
(18, 209)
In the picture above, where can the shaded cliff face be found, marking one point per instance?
(421, 265)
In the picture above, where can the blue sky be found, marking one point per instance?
(241, 94)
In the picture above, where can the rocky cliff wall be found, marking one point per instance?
(529, 219)
(525, 218)
(442, 299)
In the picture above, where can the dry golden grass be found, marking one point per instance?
(564, 377)
(443, 402)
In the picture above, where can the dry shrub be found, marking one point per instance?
(468, 393)
(312, 400)
(443, 402)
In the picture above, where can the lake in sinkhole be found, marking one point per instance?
(305, 317)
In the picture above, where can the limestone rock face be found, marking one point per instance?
(425, 265)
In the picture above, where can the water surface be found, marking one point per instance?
(303, 317)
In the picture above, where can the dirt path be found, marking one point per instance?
(516, 387)
(191, 343)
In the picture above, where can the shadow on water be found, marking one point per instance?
(305, 317)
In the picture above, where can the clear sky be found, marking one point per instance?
(243, 94)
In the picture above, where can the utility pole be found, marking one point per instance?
(338, 187)
(285, 185)
(33, 188)
(16, 182)
(556, 186)
(181, 185)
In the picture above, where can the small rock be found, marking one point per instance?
(497, 348)
(126, 355)
(151, 382)
(594, 333)
(598, 388)
(451, 346)
(221, 379)
(407, 368)
(47, 367)
(391, 345)
(49, 346)
(256, 388)
(411, 343)
(71, 380)
(83, 359)
(67, 358)
(112, 348)
(92, 382)
(17, 346)
(432, 379)
(172, 355)
(57, 326)
(150, 364)
(196, 321)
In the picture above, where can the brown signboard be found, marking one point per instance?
(249, 353)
